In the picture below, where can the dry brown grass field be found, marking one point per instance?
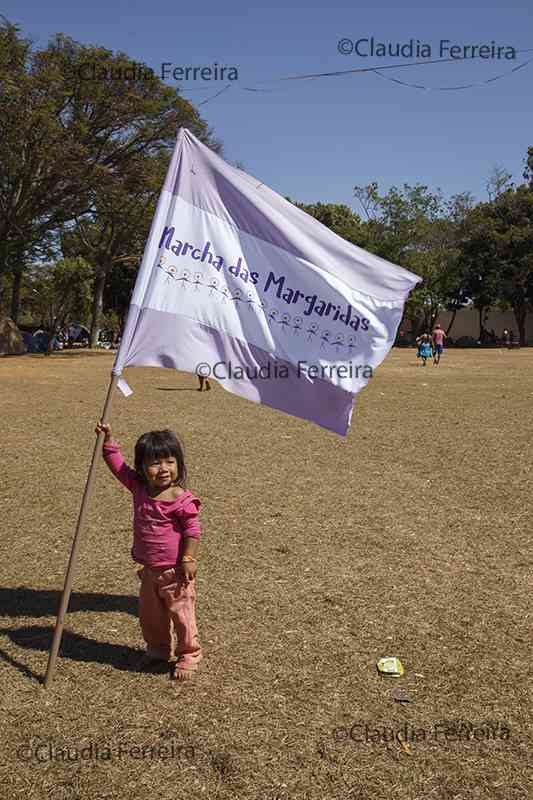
(411, 537)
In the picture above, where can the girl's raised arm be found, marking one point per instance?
(115, 460)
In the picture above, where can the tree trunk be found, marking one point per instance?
(448, 329)
(481, 309)
(520, 313)
(98, 302)
(434, 316)
(15, 295)
(3, 270)
(418, 324)
(50, 327)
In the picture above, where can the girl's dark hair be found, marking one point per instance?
(160, 444)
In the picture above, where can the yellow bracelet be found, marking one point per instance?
(187, 558)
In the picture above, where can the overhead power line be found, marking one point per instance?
(378, 70)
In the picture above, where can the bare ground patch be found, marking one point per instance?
(412, 537)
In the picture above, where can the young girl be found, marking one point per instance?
(425, 350)
(165, 542)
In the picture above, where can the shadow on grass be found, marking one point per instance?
(70, 354)
(73, 646)
(25, 602)
(21, 667)
(171, 389)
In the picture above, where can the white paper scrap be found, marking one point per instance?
(124, 388)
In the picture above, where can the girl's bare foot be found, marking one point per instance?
(180, 673)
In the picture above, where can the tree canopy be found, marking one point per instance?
(68, 142)
(83, 160)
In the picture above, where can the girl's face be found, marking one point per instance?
(161, 472)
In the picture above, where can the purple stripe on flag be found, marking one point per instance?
(205, 188)
(159, 339)
(204, 180)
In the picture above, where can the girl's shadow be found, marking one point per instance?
(25, 602)
(73, 646)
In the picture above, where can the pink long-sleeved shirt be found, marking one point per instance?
(158, 525)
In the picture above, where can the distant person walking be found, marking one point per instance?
(506, 338)
(424, 348)
(438, 338)
(202, 381)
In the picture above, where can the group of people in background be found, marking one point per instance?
(431, 346)
(489, 337)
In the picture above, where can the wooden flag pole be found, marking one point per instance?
(58, 632)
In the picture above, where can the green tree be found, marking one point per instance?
(418, 230)
(340, 219)
(498, 181)
(65, 135)
(497, 249)
(60, 293)
(119, 289)
(116, 229)
(528, 171)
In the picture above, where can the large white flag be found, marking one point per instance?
(239, 284)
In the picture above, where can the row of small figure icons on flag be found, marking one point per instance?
(284, 320)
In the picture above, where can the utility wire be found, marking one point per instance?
(378, 71)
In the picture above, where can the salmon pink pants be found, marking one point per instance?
(167, 616)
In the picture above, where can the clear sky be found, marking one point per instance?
(315, 139)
